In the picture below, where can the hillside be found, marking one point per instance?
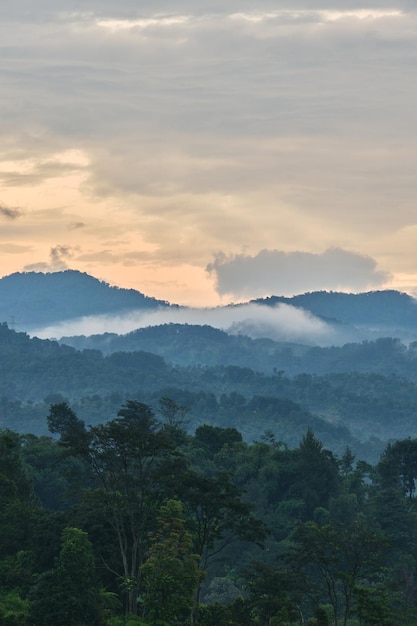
(191, 345)
(33, 299)
(360, 394)
(387, 309)
(70, 302)
(362, 410)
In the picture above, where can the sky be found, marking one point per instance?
(211, 152)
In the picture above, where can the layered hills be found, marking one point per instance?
(360, 394)
(34, 300)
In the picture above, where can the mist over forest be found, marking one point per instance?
(263, 434)
(208, 322)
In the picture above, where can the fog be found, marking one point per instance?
(281, 323)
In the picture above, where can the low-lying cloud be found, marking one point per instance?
(282, 323)
(273, 272)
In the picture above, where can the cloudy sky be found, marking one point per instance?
(207, 152)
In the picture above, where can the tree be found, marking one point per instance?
(217, 516)
(334, 557)
(318, 477)
(171, 572)
(63, 421)
(272, 592)
(132, 462)
(18, 511)
(214, 438)
(398, 466)
(175, 422)
(68, 594)
(13, 609)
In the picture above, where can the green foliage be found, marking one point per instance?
(130, 460)
(336, 557)
(219, 615)
(171, 573)
(69, 592)
(344, 406)
(13, 609)
(214, 438)
(271, 593)
(398, 466)
(143, 520)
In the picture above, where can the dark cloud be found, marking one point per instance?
(76, 225)
(273, 272)
(58, 257)
(10, 213)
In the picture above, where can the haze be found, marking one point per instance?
(210, 152)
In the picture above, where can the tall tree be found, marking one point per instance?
(171, 572)
(334, 557)
(68, 594)
(398, 466)
(218, 517)
(131, 460)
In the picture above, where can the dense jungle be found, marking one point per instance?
(135, 521)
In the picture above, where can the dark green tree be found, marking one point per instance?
(175, 421)
(132, 463)
(63, 421)
(68, 594)
(398, 466)
(333, 558)
(218, 516)
(171, 572)
(272, 592)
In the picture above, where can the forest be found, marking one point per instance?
(134, 521)
(180, 475)
(364, 410)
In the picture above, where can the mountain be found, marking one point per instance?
(343, 410)
(194, 345)
(34, 299)
(360, 394)
(387, 309)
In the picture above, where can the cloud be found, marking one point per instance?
(272, 272)
(58, 256)
(38, 173)
(76, 225)
(282, 322)
(9, 212)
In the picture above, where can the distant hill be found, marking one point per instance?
(382, 309)
(36, 372)
(33, 299)
(342, 409)
(360, 394)
(191, 345)
(355, 408)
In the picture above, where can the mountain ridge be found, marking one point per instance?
(381, 306)
(38, 298)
